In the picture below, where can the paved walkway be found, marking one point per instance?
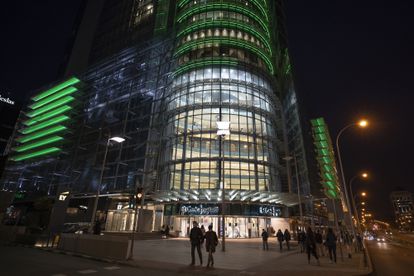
(244, 256)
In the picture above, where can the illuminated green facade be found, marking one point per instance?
(46, 122)
(325, 157)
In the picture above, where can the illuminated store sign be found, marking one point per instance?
(270, 211)
(198, 209)
(6, 100)
(234, 209)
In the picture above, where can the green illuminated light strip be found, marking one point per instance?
(43, 133)
(38, 144)
(331, 194)
(35, 154)
(48, 123)
(230, 42)
(184, 2)
(226, 7)
(51, 106)
(202, 63)
(54, 97)
(48, 115)
(56, 88)
(255, 2)
(223, 24)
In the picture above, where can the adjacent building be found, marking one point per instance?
(164, 75)
(402, 201)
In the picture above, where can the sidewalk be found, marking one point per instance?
(242, 257)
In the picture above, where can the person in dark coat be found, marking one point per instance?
(97, 228)
(286, 237)
(265, 236)
(302, 240)
(279, 236)
(196, 239)
(167, 231)
(311, 245)
(319, 243)
(331, 244)
(211, 243)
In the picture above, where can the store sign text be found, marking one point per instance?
(6, 100)
(198, 210)
(270, 211)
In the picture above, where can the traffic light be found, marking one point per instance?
(139, 195)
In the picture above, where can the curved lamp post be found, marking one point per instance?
(98, 190)
(362, 124)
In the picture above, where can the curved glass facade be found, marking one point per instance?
(224, 72)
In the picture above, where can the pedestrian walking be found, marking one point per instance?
(265, 236)
(97, 227)
(279, 236)
(211, 243)
(167, 231)
(286, 237)
(302, 240)
(359, 242)
(347, 238)
(196, 239)
(311, 245)
(331, 244)
(203, 230)
(319, 243)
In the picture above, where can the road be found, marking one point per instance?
(389, 258)
(21, 261)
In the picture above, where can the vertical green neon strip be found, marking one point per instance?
(161, 19)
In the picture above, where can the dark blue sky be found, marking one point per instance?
(350, 58)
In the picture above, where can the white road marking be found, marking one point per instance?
(87, 271)
(112, 267)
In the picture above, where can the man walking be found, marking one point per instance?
(286, 236)
(319, 243)
(331, 244)
(211, 243)
(265, 236)
(196, 239)
(279, 236)
(311, 245)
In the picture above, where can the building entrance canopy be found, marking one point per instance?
(215, 195)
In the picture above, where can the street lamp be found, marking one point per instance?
(362, 124)
(363, 176)
(223, 129)
(288, 158)
(98, 190)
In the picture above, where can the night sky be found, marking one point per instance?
(351, 59)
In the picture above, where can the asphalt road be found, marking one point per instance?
(391, 259)
(21, 261)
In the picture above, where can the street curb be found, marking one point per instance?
(369, 261)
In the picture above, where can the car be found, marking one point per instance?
(380, 239)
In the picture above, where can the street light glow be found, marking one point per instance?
(363, 123)
(363, 203)
(364, 175)
(363, 194)
(117, 139)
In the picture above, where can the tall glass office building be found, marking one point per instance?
(201, 62)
